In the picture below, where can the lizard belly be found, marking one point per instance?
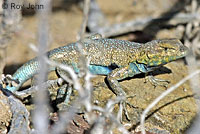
(100, 70)
(94, 69)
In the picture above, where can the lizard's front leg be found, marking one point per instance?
(114, 77)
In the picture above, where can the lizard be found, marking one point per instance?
(117, 59)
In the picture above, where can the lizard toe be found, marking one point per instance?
(125, 104)
(158, 82)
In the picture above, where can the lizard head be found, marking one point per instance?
(160, 52)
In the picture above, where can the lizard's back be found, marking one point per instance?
(102, 52)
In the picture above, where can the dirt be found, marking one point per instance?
(174, 113)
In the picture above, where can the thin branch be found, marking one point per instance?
(96, 18)
(85, 19)
(40, 117)
(192, 65)
(140, 24)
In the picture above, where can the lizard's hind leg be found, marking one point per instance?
(65, 91)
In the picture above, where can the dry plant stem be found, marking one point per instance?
(96, 18)
(192, 65)
(2, 60)
(168, 91)
(82, 61)
(1, 9)
(86, 93)
(85, 19)
(40, 118)
(9, 22)
(140, 24)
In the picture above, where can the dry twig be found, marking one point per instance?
(140, 24)
(40, 118)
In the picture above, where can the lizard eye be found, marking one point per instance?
(165, 49)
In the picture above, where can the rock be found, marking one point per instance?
(5, 113)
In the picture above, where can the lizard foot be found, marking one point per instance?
(8, 82)
(125, 103)
(158, 82)
(64, 93)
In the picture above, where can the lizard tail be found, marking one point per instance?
(24, 73)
